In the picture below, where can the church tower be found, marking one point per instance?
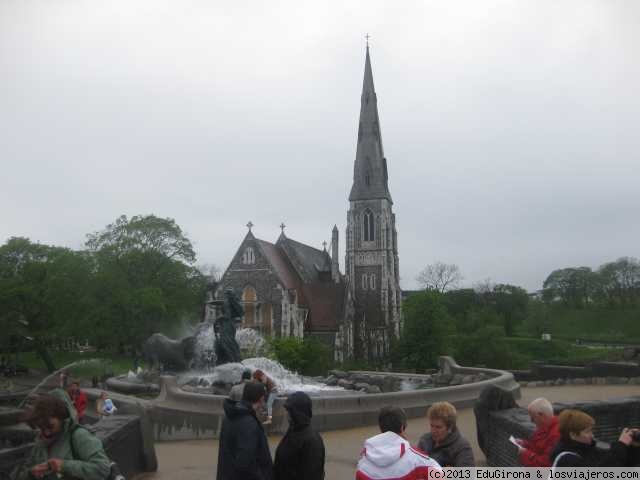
(372, 240)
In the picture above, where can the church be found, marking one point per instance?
(288, 288)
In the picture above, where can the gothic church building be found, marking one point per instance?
(292, 289)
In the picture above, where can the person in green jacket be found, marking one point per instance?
(54, 455)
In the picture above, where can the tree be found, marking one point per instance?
(510, 302)
(146, 234)
(43, 290)
(620, 282)
(575, 287)
(440, 277)
(145, 281)
(426, 332)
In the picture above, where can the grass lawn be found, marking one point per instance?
(86, 364)
(595, 324)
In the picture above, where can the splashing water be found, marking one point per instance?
(250, 341)
(286, 381)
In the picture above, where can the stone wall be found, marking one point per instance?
(543, 372)
(610, 416)
(184, 415)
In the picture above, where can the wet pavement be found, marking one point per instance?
(196, 459)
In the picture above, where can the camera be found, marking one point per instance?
(635, 436)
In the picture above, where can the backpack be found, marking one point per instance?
(114, 471)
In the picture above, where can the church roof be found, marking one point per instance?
(370, 179)
(283, 269)
(309, 262)
(326, 304)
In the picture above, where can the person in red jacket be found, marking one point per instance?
(535, 452)
(79, 399)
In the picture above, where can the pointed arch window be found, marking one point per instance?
(368, 226)
(248, 257)
(249, 302)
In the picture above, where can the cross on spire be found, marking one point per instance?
(282, 227)
(324, 245)
(249, 225)
(367, 37)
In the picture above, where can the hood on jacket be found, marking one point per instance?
(385, 449)
(233, 409)
(298, 405)
(580, 448)
(64, 396)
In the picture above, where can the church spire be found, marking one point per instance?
(370, 168)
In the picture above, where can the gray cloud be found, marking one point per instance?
(510, 127)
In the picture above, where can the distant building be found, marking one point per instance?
(292, 289)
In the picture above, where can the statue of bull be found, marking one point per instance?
(160, 350)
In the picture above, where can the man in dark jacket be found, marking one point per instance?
(243, 452)
(300, 454)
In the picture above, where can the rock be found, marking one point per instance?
(491, 398)
(193, 382)
(346, 384)
(468, 379)
(338, 373)
(629, 353)
(373, 389)
(391, 383)
(359, 378)
(332, 380)
(376, 380)
(442, 379)
(456, 379)
(361, 386)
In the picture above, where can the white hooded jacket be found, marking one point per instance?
(389, 456)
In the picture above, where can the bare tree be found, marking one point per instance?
(210, 270)
(440, 277)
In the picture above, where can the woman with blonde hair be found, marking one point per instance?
(577, 447)
(444, 442)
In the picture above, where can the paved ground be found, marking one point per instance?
(194, 460)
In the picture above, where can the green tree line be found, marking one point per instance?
(134, 277)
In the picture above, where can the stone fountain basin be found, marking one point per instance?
(178, 414)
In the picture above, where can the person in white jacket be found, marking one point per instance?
(389, 455)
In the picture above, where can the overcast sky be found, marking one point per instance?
(510, 127)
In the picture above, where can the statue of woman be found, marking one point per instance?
(226, 347)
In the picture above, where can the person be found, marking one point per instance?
(389, 455)
(535, 451)
(105, 405)
(79, 399)
(577, 448)
(243, 451)
(300, 453)
(236, 391)
(272, 391)
(62, 447)
(444, 443)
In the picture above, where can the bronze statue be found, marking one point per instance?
(226, 347)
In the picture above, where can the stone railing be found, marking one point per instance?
(495, 426)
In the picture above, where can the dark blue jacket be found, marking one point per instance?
(243, 452)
